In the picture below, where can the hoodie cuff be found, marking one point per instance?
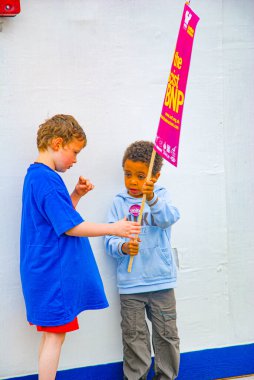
(121, 253)
(153, 201)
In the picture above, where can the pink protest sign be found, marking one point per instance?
(168, 134)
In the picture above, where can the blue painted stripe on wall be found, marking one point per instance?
(217, 363)
(196, 365)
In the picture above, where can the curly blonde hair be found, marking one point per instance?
(64, 126)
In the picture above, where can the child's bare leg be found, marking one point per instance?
(41, 344)
(49, 354)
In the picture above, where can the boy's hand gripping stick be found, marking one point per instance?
(149, 174)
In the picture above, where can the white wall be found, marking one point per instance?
(107, 63)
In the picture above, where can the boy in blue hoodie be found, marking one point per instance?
(149, 289)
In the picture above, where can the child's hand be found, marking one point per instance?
(148, 188)
(126, 229)
(83, 186)
(131, 248)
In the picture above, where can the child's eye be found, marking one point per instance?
(128, 175)
(141, 177)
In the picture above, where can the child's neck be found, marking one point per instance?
(45, 158)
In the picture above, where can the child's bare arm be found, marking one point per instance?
(83, 187)
(121, 228)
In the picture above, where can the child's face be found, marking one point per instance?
(135, 174)
(65, 156)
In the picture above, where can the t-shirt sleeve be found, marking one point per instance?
(60, 212)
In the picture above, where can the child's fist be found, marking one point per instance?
(148, 188)
(83, 186)
(131, 248)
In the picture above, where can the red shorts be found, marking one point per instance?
(68, 327)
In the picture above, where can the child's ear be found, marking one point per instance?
(156, 176)
(56, 143)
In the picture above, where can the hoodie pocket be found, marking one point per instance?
(156, 262)
(165, 255)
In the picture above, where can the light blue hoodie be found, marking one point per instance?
(154, 267)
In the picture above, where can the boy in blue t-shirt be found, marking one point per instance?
(58, 271)
(149, 289)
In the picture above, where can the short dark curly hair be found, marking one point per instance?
(141, 151)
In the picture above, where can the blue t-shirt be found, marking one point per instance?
(59, 275)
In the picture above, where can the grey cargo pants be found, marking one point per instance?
(160, 308)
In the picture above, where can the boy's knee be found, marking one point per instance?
(55, 338)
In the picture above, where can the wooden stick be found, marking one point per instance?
(149, 174)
